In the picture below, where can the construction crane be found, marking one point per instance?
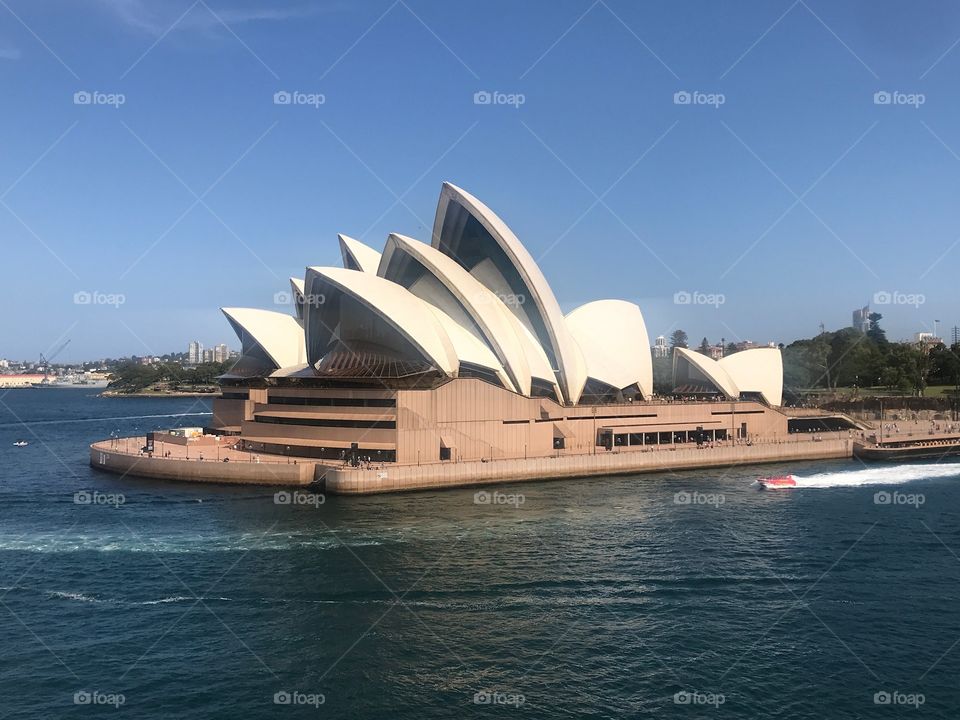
(44, 362)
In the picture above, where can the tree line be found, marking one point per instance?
(847, 358)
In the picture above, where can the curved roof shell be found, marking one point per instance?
(296, 290)
(758, 370)
(710, 369)
(472, 234)
(461, 296)
(276, 335)
(363, 309)
(613, 339)
(357, 256)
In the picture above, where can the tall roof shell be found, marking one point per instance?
(515, 348)
(463, 229)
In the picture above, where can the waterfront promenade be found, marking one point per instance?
(222, 464)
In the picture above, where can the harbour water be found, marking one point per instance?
(688, 594)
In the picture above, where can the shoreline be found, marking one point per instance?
(116, 394)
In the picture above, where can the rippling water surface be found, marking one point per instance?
(687, 594)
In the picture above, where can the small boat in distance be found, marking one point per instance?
(21, 443)
(777, 482)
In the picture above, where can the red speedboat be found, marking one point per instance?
(777, 482)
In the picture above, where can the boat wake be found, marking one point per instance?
(893, 475)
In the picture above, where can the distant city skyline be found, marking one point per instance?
(783, 163)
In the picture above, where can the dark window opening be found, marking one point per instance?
(324, 422)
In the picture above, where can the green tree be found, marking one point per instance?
(678, 338)
(705, 346)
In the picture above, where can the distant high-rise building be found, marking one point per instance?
(861, 319)
(660, 348)
(208, 355)
(221, 353)
(195, 352)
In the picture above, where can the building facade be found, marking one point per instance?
(457, 350)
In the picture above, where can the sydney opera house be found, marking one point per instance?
(455, 349)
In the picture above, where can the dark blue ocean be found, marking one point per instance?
(683, 595)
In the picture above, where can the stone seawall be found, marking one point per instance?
(103, 457)
(398, 478)
(391, 478)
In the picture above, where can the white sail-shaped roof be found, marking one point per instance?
(613, 339)
(757, 370)
(278, 336)
(360, 309)
(472, 234)
(710, 369)
(357, 256)
(471, 350)
(461, 296)
(296, 290)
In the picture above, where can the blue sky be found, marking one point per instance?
(797, 199)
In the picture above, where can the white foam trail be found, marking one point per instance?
(885, 475)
